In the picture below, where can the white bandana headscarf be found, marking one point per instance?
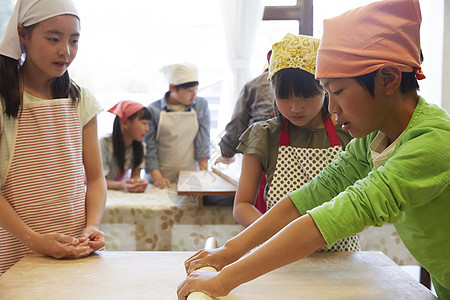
(30, 12)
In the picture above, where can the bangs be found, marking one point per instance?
(142, 114)
(289, 83)
(187, 85)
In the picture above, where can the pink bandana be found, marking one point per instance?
(362, 40)
(125, 108)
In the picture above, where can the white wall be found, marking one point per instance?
(432, 40)
(446, 59)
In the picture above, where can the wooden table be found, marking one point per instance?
(203, 183)
(156, 275)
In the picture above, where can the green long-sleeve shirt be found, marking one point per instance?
(410, 189)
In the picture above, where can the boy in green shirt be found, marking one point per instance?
(397, 169)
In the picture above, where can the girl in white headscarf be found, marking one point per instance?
(47, 125)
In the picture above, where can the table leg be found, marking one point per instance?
(200, 201)
(425, 278)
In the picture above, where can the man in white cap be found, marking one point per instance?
(178, 138)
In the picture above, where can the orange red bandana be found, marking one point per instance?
(362, 40)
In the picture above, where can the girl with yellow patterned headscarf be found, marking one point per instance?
(295, 145)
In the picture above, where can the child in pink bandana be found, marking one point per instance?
(396, 170)
(123, 151)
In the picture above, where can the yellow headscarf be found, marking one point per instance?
(294, 51)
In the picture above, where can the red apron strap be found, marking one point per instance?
(284, 133)
(332, 134)
(260, 203)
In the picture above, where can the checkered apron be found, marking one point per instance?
(296, 166)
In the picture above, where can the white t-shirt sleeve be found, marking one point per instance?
(88, 107)
(144, 146)
(106, 155)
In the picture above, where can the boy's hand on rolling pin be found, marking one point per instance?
(217, 258)
(95, 238)
(209, 283)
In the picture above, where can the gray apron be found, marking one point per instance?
(175, 141)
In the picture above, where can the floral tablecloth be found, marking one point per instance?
(161, 220)
(386, 240)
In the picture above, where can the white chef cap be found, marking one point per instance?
(180, 73)
(30, 12)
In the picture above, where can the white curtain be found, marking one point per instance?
(240, 21)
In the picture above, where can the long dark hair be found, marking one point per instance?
(119, 145)
(11, 84)
(298, 83)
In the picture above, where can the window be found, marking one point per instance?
(124, 44)
(5, 11)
